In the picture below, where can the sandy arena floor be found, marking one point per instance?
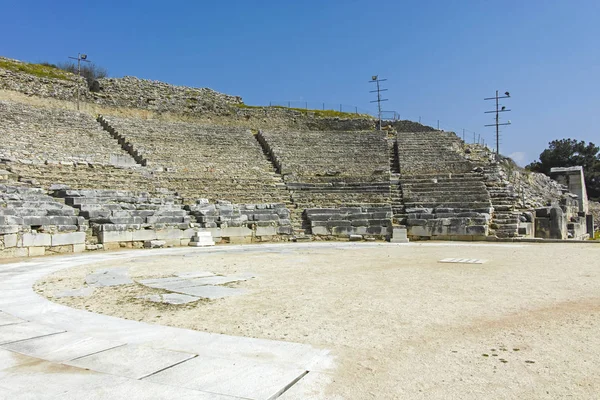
(523, 325)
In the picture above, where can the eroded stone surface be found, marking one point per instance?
(108, 277)
(170, 298)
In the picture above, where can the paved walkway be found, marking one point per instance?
(49, 351)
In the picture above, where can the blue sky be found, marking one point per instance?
(441, 58)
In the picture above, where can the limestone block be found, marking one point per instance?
(266, 231)
(37, 251)
(154, 244)
(477, 230)
(61, 239)
(115, 236)
(399, 235)
(5, 229)
(236, 232)
(320, 230)
(37, 239)
(79, 248)
(355, 238)
(144, 235)
(419, 231)
(10, 240)
(165, 234)
(285, 230)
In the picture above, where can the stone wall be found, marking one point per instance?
(350, 222)
(243, 222)
(34, 224)
(116, 95)
(132, 92)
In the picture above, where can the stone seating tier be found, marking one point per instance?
(25, 209)
(264, 219)
(83, 176)
(203, 161)
(350, 221)
(430, 152)
(39, 134)
(351, 156)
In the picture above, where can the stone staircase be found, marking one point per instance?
(442, 197)
(397, 202)
(506, 216)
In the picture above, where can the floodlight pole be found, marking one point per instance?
(375, 79)
(80, 58)
(498, 111)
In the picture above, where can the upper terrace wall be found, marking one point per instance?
(119, 95)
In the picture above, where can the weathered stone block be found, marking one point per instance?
(266, 231)
(236, 232)
(79, 247)
(320, 230)
(154, 244)
(36, 251)
(477, 230)
(144, 235)
(37, 239)
(61, 239)
(115, 236)
(166, 234)
(10, 240)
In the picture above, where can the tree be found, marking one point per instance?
(89, 71)
(570, 153)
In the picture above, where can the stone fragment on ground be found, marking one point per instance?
(170, 298)
(108, 277)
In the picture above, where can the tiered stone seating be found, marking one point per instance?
(328, 157)
(41, 135)
(32, 222)
(133, 209)
(430, 153)
(82, 175)
(441, 196)
(330, 169)
(202, 161)
(24, 209)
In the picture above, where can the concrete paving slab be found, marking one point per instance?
(170, 298)
(310, 387)
(83, 292)
(210, 292)
(131, 361)
(219, 280)
(109, 277)
(46, 379)
(25, 330)
(216, 375)
(7, 319)
(169, 279)
(61, 347)
(134, 389)
(9, 359)
(196, 274)
(462, 260)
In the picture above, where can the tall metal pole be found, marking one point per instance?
(497, 111)
(375, 78)
(497, 126)
(80, 58)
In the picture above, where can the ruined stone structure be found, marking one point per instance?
(71, 181)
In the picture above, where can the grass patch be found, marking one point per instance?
(316, 113)
(39, 70)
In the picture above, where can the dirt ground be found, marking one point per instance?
(523, 325)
